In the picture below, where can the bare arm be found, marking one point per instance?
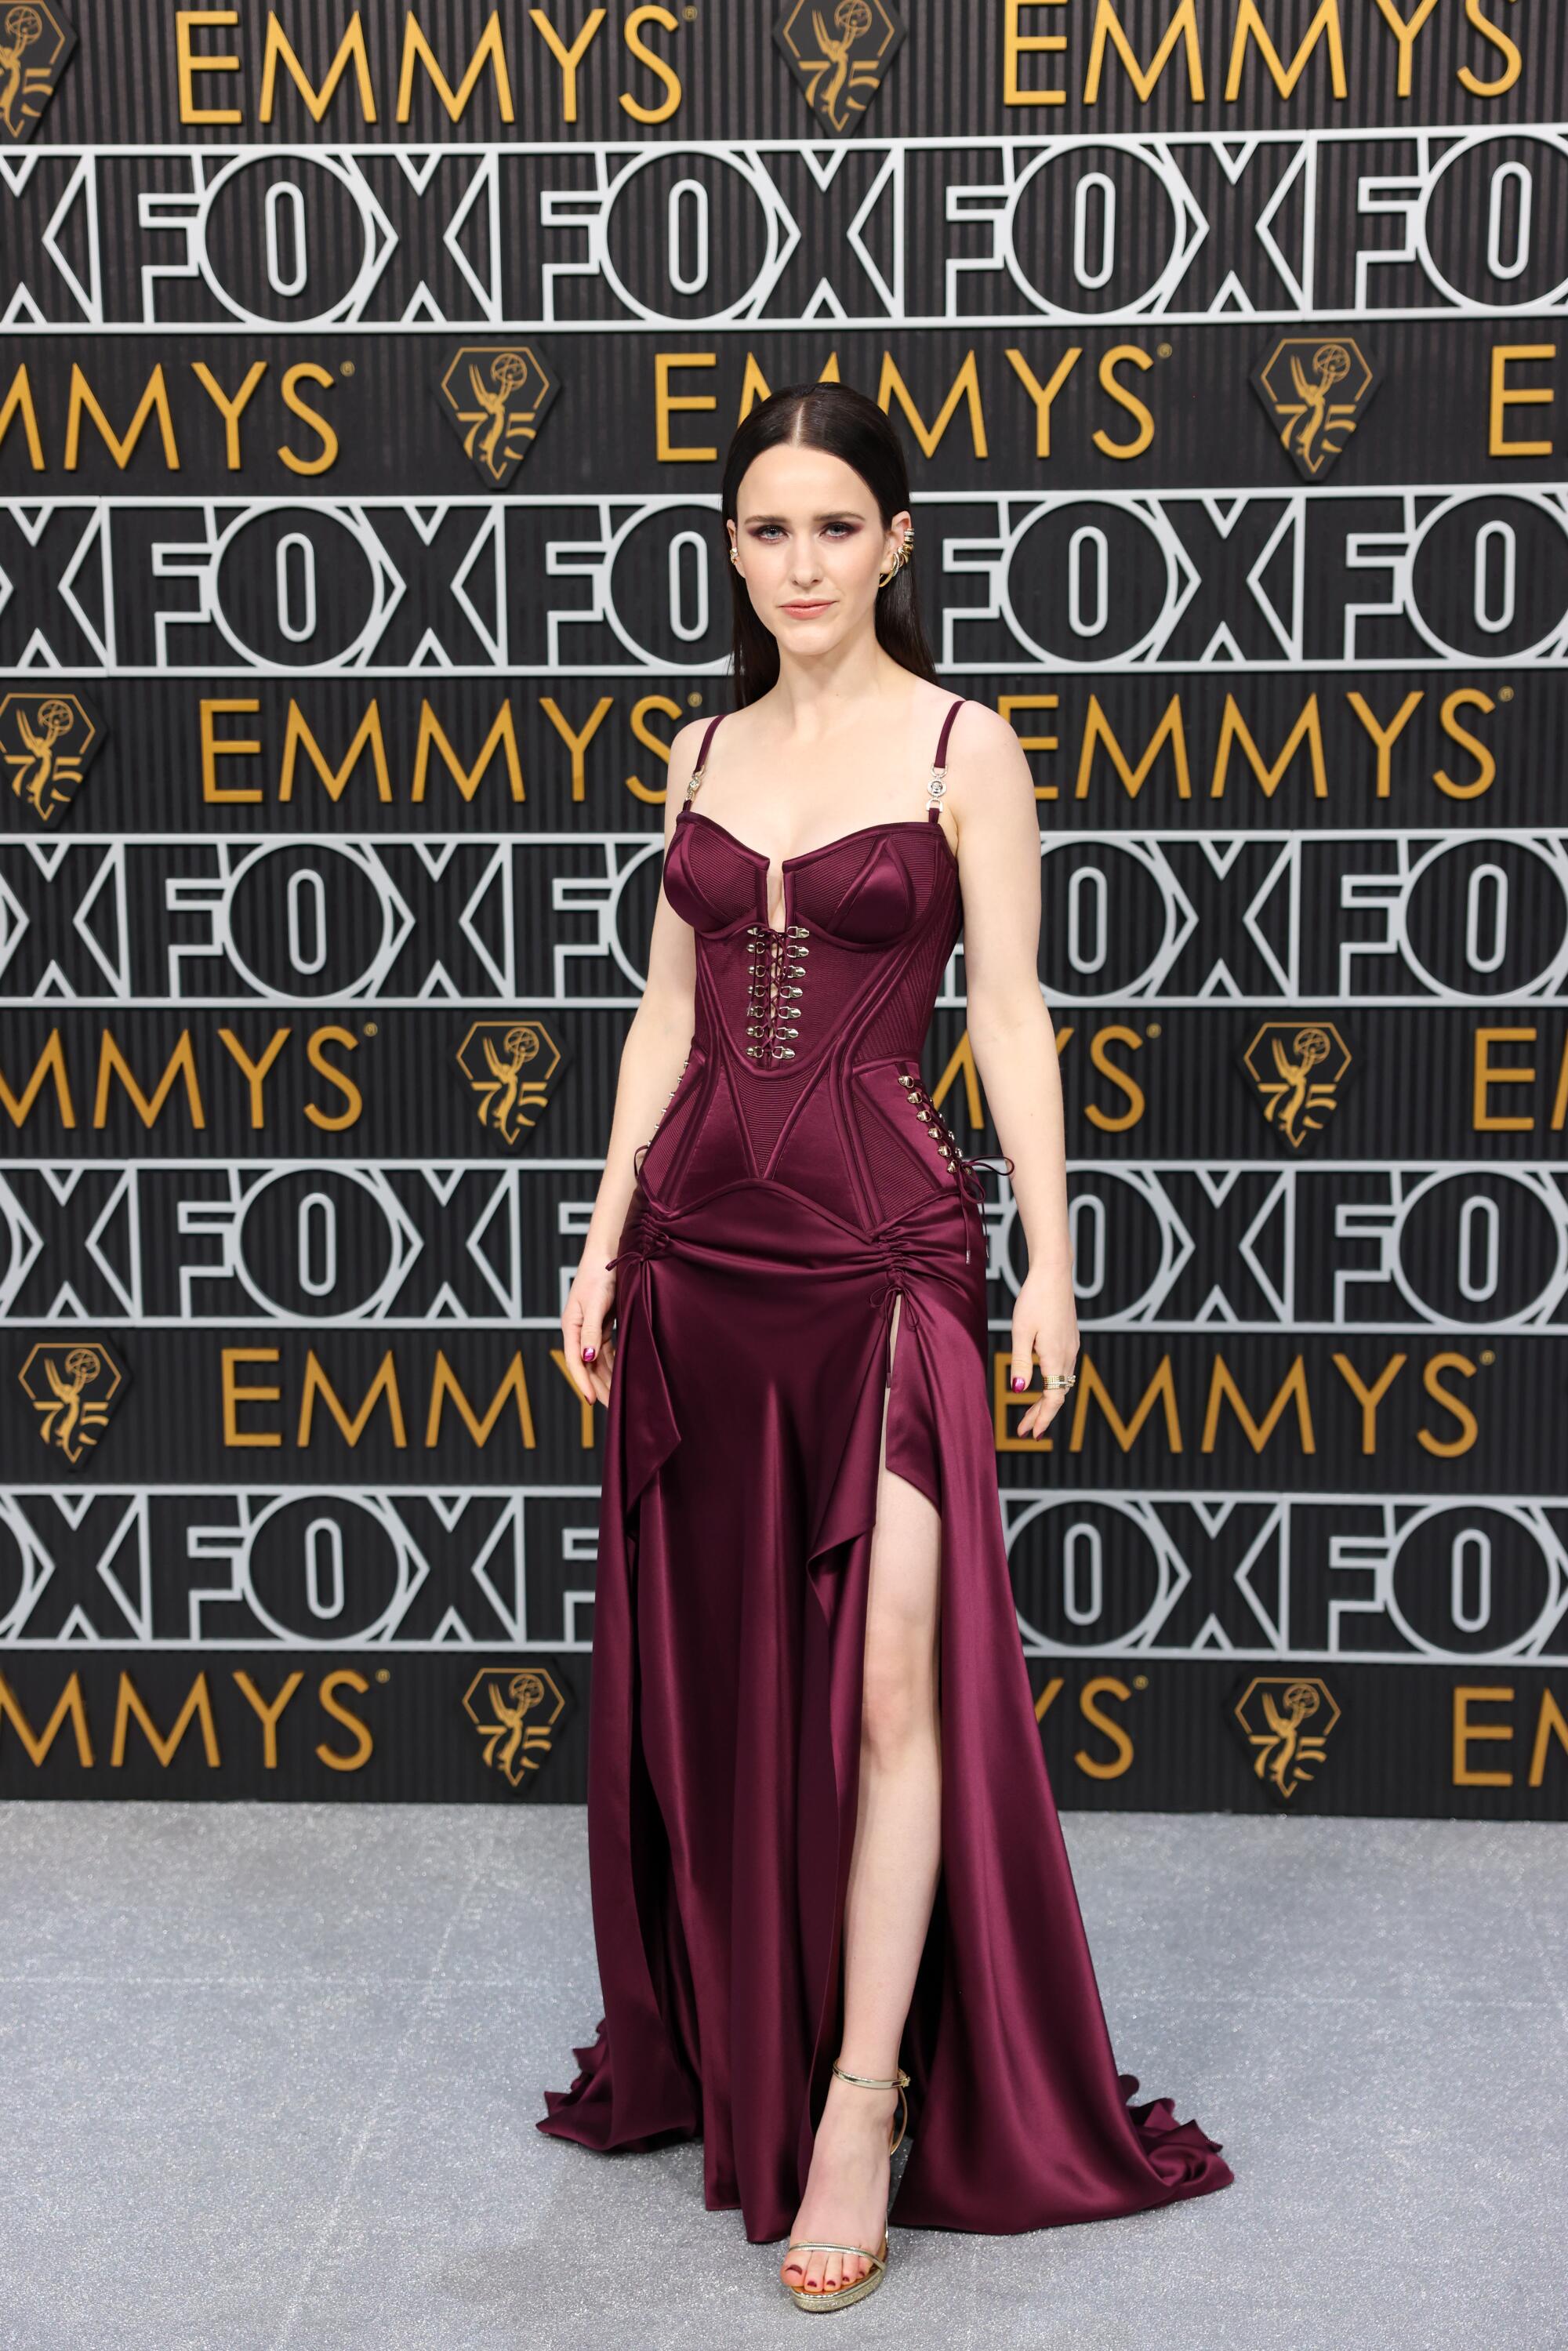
(991, 791)
(652, 1059)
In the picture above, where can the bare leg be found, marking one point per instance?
(893, 1879)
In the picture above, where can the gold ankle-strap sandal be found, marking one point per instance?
(842, 2295)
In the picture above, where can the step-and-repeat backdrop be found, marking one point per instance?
(366, 376)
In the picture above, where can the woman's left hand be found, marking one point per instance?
(1045, 1325)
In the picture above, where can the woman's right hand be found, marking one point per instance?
(589, 1345)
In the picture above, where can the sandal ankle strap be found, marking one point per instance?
(899, 2082)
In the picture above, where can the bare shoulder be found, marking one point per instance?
(685, 746)
(981, 736)
(990, 784)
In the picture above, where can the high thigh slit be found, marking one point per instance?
(800, 1185)
(887, 1479)
(919, 1619)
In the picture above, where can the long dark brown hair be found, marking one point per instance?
(847, 425)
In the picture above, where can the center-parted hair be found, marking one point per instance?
(847, 425)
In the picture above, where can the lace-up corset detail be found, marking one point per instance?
(777, 993)
(930, 1117)
(802, 1015)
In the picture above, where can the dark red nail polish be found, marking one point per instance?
(589, 1353)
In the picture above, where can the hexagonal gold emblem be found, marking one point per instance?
(1299, 1068)
(1316, 388)
(495, 395)
(46, 743)
(36, 42)
(839, 52)
(515, 1709)
(72, 1386)
(1272, 1713)
(509, 1065)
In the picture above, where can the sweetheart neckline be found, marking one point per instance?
(804, 856)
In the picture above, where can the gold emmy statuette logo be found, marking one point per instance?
(509, 1064)
(36, 41)
(1272, 1714)
(1299, 1068)
(494, 394)
(839, 51)
(515, 1709)
(46, 742)
(72, 1384)
(1315, 387)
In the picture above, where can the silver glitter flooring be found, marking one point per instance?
(268, 2078)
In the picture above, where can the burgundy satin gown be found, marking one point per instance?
(796, 1181)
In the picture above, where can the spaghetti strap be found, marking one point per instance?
(697, 775)
(937, 783)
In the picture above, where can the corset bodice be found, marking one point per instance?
(857, 912)
(805, 1062)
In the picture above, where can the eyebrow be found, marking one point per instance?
(833, 514)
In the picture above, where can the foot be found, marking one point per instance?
(846, 2188)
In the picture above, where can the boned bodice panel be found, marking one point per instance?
(869, 922)
(805, 1061)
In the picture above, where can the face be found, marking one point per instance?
(811, 544)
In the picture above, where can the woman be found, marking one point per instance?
(825, 1860)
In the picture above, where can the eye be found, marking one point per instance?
(765, 530)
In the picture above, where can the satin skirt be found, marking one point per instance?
(738, 1505)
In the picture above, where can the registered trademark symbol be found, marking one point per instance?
(694, 702)
(347, 368)
(1164, 350)
(382, 1674)
(1153, 1030)
(369, 1028)
(1505, 693)
(1140, 1681)
(1488, 1355)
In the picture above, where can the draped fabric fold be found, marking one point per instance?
(725, 1736)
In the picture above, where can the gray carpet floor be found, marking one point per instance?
(268, 2078)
